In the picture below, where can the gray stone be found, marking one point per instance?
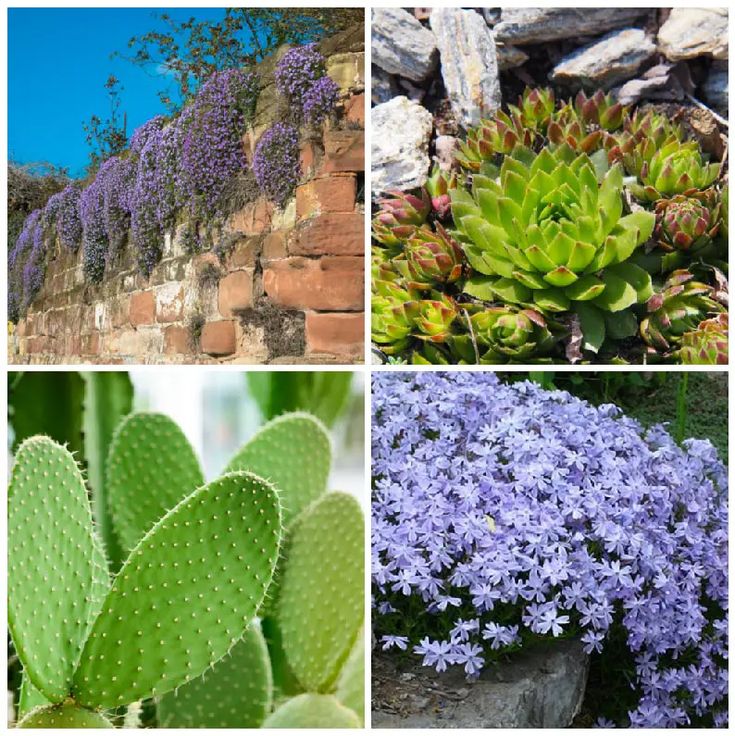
(401, 45)
(657, 83)
(445, 147)
(691, 32)
(509, 57)
(532, 25)
(542, 687)
(714, 89)
(469, 63)
(401, 130)
(383, 86)
(607, 61)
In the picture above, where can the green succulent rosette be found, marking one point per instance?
(501, 135)
(432, 258)
(548, 230)
(393, 313)
(600, 109)
(434, 318)
(687, 223)
(707, 345)
(400, 214)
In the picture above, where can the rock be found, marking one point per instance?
(445, 147)
(714, 89)
(657, 83)
(383, 86)
(532, 25)
(401, 130)
(469, 63)
(401, 45)
(410, 90)
(491, 15)
(690, 32)
(509, 56)
(611, 59)
(539, 688)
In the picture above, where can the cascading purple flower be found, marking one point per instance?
(94, 233)
(276, 162)
(529, 513)
(319, 100)
(62, 210)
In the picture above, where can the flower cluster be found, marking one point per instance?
(62, 209)
(302, 79)
(276, 162)
(506, 513)
(577, 211)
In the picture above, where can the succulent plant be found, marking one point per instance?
(687, 223)
(677, 308)
(432, 258)
(535, 108)
(547, 232)
(393, 316)
(156, 628)
(438, 185)
(398, 217)
(707, 345)
(674, 168)
(434, 317)
(600, 109)
(579, 134)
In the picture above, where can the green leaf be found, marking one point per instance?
(618, 294)
(621, 324)
(585, 288)
(185, 595)
(551, 300)
(30, 697)
(108, 397)
(637, 277)
(560, 276)
(312, 711)
(31, 396)
(321, 596)
(294, 453)
(481, 287)
(57, 574)
(642, 222)
(351, 684)
(592, 324)
(150, 467)
(236, 693)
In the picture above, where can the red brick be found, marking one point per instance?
(339, 334)
(253, 218)
(170, 303)
(309, 156)
(176, 340)
(244, 254)
(328, 283)
(337, 234)
(142, 308)
(274, 245)
(120, 311)
(326, 194)
(218, 338)
(355, 109)
(21, 329)
(91, 344)
(344, 150)
(235, 292)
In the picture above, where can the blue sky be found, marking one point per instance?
(58, 62)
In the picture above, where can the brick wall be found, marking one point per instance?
(288, 286)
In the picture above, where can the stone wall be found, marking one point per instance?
(283, 285)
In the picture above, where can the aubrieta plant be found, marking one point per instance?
(505, 514)
(574, 214)
(276, 162)
(239, 602)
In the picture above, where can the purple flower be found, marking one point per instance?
(394, 641)
(276, 162)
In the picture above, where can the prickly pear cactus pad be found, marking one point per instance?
(236, 693)
(30, 697)
(150, 468)
(320, 605)
(312, 711)
(185, 595)
(66, 715)
(57, 574)
(351, 683)
(294, 452)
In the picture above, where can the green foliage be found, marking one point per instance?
(108, 397)
(109, 137)
(66, 715)
(311, 710)
(351, 684)
(150, 468)
(707, 344)
(321, 393)
(320, 603)
(30, 697)
(236, 693)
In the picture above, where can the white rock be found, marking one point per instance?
(691, 32)
(613, 58)
(469, 63)
(401, 45)
(383, 85)
(715, 88)
(401, 130)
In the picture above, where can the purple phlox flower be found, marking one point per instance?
(390, 641)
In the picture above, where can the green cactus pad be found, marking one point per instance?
(56, 569)
(236, 693)
(66, 715)
(30, 697)
(284, 681)
(185, 595)
(321, 597)
(150, 468)
(351, 683)
(292, 451)
(312, 711)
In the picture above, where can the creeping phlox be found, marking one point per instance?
(505, 513)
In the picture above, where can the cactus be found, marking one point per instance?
(311, 710)
(57, 573)
(350, 686)
(65, 715)
(320, 605)
(30, 697)
(150, 468)
(236, 693)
